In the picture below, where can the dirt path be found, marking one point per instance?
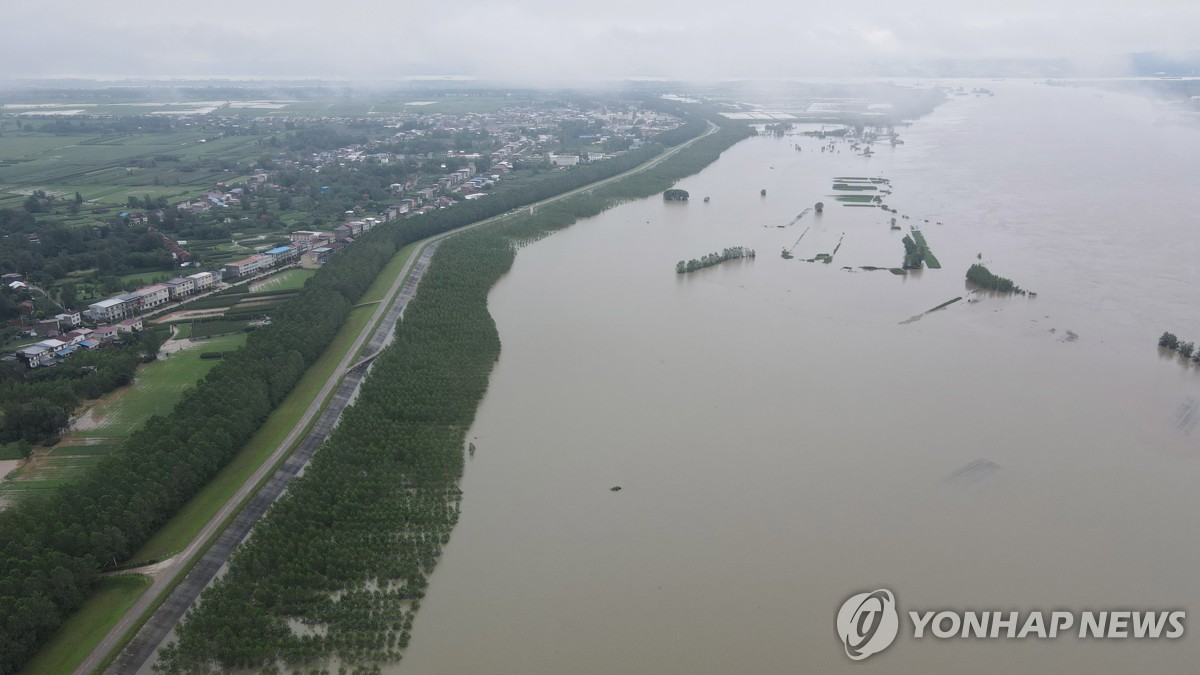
(173, 345)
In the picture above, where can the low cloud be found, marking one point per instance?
(533, 41)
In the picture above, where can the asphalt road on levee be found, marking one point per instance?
(156, 629)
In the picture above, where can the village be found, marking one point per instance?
(516, 138)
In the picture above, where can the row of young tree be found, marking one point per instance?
(53, 548)
(1187, 350)
(710, 259)
(348, 549)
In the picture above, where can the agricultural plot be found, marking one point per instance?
(287, 280)
(108, 169)
(158, 387)
(49, 470)
(205, 329)
(857, 186)
(100, 429)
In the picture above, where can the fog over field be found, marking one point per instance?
(553, 42)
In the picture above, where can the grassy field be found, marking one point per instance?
(101, 167)
(145, 277)
(85, 628)
(158, 387)
(204, 329)
(287, 280)
(11, 451)
(191, 519)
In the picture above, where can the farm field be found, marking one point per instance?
(157, 389)
(100, 428)
(287, 280)
(108, 169)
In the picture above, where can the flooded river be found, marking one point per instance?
(783, 439)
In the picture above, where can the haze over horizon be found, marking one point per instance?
(546, 42)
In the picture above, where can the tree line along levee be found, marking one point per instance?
(53, 549)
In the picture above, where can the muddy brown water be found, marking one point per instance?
(783, 440)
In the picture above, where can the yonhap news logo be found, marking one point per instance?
(868, 623)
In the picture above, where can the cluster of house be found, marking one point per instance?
(271, 258)
(60, 345)
(126, 305)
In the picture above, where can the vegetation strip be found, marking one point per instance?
(346, 552)
(732, 253)
(916, 252)
(945, 304)
(983, 277)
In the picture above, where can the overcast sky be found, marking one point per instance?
(533, 41)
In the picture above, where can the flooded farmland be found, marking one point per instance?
(785, 434)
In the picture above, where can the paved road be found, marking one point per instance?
(158, 627)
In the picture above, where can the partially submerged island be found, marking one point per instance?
(677, 195)
(711, 259)
(916, 252)
(983, 277)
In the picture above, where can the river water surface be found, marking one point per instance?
(783, 439)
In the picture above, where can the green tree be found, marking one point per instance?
(1168, 340)
(69, 295)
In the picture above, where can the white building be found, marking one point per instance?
(247, 266)
(202, 281)
(112, 309)
(306, 238)
(151, 296)
(180, 287)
